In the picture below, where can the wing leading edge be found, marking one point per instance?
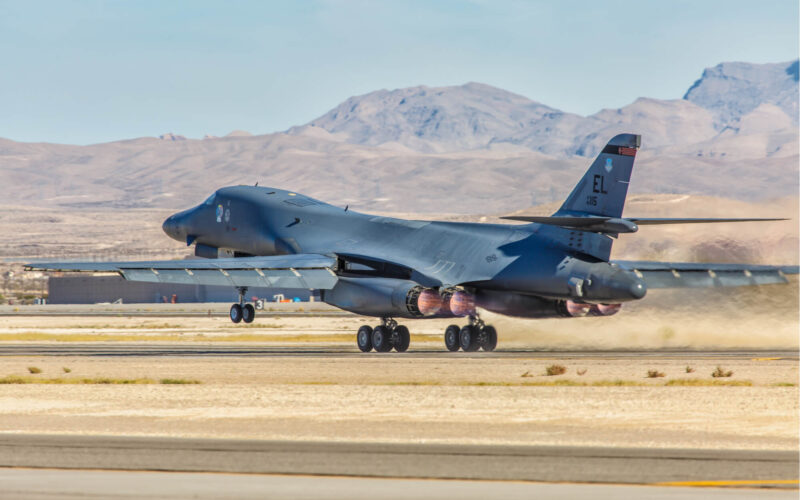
(698, 275)
(302, 271)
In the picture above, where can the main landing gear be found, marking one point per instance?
(384, 337)
(476, 335)
(241, 311)
(389, 335)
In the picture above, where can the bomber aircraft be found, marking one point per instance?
(556, 266)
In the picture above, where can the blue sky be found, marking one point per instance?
(94, 71)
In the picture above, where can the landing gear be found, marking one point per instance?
(364, 338)
(248, 313)
(241, 311)
(236, 313)
(384, 337)
(451, 338)
(476, 335)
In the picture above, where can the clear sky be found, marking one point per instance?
(94, 71)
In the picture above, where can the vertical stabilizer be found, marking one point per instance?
(603, 188)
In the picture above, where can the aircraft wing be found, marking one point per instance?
(303, 271)
(698, 275)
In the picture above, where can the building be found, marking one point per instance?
(83, 289)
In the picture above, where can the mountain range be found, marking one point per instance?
(471, 148)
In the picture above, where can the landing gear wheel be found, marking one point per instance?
(402, 338)
(364, 338)
(381, 339)
(451, 338)
(236, 313)
(468, 338)
(489, 338)
(248, 313)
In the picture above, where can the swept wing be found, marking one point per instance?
(304, 271)
(698, 275)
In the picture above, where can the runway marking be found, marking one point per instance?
(738, 482)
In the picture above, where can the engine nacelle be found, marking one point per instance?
(383, 297)
(530, 306)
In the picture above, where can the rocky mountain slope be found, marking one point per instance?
(465, 149)
(731, 97)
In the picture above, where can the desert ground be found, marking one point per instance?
(303, 378)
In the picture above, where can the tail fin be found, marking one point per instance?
(603, 188)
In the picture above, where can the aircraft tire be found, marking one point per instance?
(403, 337)
(489, 338)
(248, 313)
(364, 338)
(381, 339)
(451, 338)
(468, 338)
(236, 313)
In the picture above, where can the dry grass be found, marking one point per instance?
(721, 372)
(784, 384)
(654, 374)
(527, 374)
(555, 370)
(15, 379)
(34, 370)
(178, 381)
(539, 383)
(67, 370)
(689, 369)
(697, 382)
(178, 337)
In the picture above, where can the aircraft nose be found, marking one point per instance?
(172, 227)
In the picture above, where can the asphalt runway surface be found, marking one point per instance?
(47, 484)
(195, 349)
(33, 466)
(575, 464)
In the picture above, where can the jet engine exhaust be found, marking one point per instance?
(577, 310)
(461, 303)
(429, 302)
(605, 309)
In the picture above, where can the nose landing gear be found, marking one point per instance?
(241, 311)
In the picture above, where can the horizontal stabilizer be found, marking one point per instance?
(618, 224)
(701, 275)
(301, 271)
(654, 222)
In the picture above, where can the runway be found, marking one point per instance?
(196, 349)
(404, 460)
(47, 484)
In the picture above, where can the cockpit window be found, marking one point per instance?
(210, 199)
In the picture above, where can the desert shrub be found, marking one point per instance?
(34, 370)
(721, 372)
(556, 370)
(654, 374)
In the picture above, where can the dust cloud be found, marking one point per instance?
(751, 317)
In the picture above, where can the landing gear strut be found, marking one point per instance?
(384, 337)
(242, 311)
(476, 335)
